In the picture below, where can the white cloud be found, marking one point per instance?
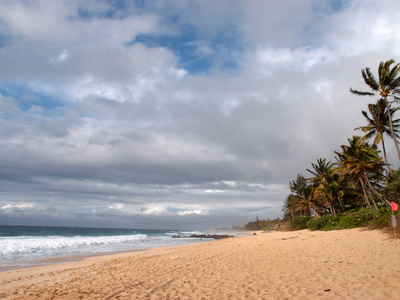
(36, 20)
(62, 57)
(20, 206)
(8, 105)
(156, 209)
(364, 28)
(304, 57)
(44, 21)
(191, 212)
(124, 209)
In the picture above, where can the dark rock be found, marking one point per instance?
(205, 236)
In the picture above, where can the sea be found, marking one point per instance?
(26, 246)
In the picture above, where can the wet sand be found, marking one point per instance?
(348, 264)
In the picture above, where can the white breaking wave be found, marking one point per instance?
(24, 248)
(31, 250)
(17, 245)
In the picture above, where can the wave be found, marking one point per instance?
(25, 247)
(29, 250)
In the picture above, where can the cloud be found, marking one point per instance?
(176, 114)
(20, 206)
(8, 105)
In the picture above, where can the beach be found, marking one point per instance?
(346, 264)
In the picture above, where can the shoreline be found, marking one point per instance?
(80, 257)
(347, 264)
(67, 259)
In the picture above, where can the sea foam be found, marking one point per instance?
(25, 248)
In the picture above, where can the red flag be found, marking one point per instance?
(395, 206)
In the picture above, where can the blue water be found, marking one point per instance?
(24, 246)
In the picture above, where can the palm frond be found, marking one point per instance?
(365, 114)
(365, 128)
(394, 71)
(361, 93)
(370, 79)
(378, 137)
(395, 84)
(383, 71)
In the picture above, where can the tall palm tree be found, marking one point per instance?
(378, 125)
(388, 85)
(362, 161)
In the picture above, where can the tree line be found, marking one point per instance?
(360, 176)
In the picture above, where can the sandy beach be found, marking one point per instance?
(348, 264)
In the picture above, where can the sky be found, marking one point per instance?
(177, 114)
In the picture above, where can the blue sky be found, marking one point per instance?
(198, 56)
(176, 114)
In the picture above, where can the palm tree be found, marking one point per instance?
(333, 188)
(362, 161)
(378, 125)
(320, 169)
(388, 85)
(307, 201)
(330, 188)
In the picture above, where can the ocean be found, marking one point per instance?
(25, 246)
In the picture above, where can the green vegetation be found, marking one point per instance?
(325, 222)
(299, 223)
(262, 224)
(364, 217)
(357, 189)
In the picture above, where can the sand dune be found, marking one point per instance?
(348, 264)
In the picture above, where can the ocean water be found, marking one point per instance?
(24, 246)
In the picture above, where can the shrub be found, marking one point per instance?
(326, 222)
(382, 218)
(313, 224)
(331, 223)
(348, 222)
(375, 219)
(299, 223)
(365, 215)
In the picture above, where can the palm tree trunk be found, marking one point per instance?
(365, 194)
(341, 204)
(314, 210)
(385, 157)
(372, 199)
(396, 144)
(332, 209)
(371, 189)
(386, 202)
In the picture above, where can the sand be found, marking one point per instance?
(348, 264)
